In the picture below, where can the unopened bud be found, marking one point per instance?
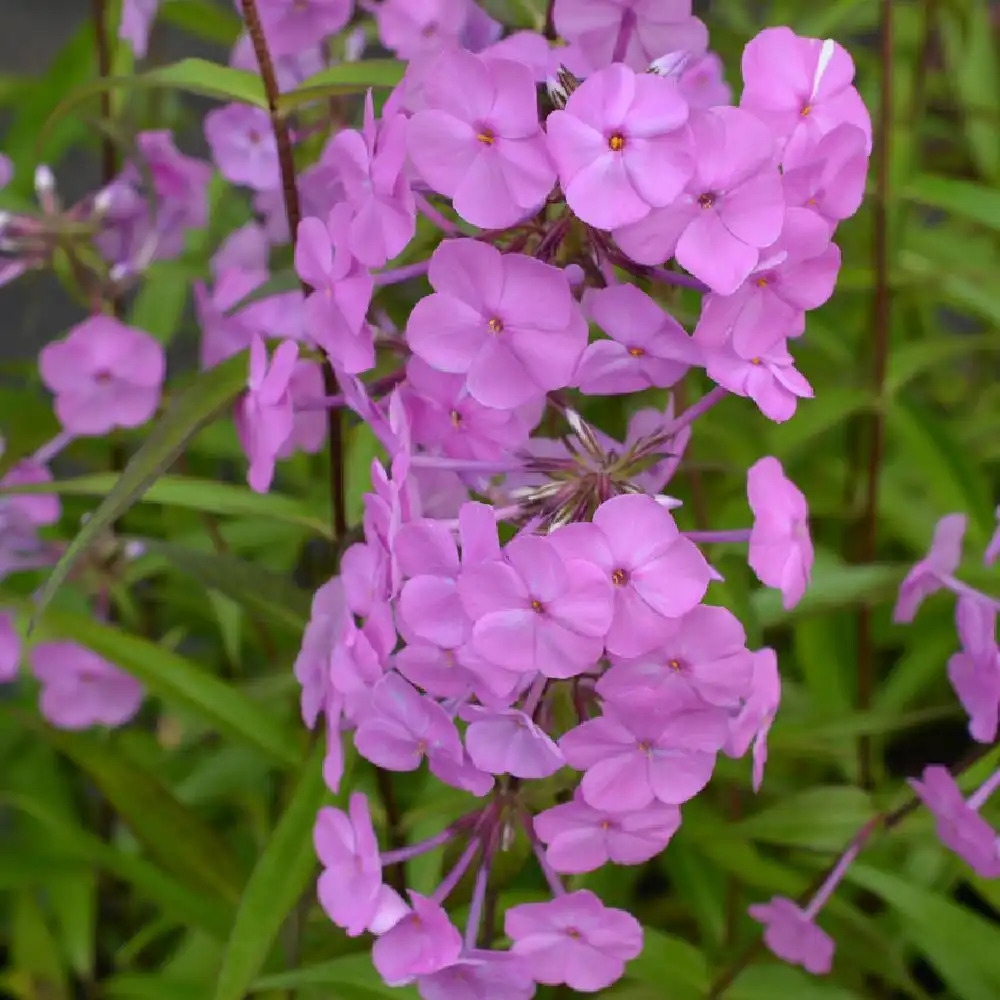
(103, 201)
(45, 188)
(561, 86)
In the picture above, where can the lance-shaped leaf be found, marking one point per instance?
(345, 78)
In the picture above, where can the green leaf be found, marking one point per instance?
(769, 982)
(345, 78)
(192, 494)
(178, 680)
(149, 986)
(280, 877)
(353, 976)
(977, 202)
(666, 959)
(257, 589)
(192, 76)
(203, 19)
(199, 403)
(176, 838)
(907, 361)
(819, 818)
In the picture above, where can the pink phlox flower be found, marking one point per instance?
(136, 22)
(416, 27)
(422, 942)
(992, 552)
(104, 375)
(648, 347)
(828, 175)
(508, 742)
(309, 425)
(767, 374)
(621, 146)
(350, 887)
(36, 509)
(731, 209)
(292, 26)
(700, 77)
(583, 839)
(926, 577)
(482, 975)
(328, 620)
(371, 165)
(536, 611)
(531, 49)
(705, 657)
(361, 657)
(636, 757)
(10, 648)
(656, 574)
(478, 140)
(793, 937)
(289, 70)
(81, 689)
(320, 191)
(243, 146)
(363, 573)
(751, 724)
(573, 939)
(654, 26)
(801, 87)
(959, 825)
(342, 291)
(975, 671)
(781, 550)
(264, 417)
(448, 419)
(508, 322)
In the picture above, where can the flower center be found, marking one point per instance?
(486, 137)
(538, 607)
(102, 377)
(496, 325)
(707, 199)
(456, 418)
(573, 933)
(755, 361)
(619, 577)
(674, 664)
(762, 282)
(616, 142)
(636, 352)
(807, 111)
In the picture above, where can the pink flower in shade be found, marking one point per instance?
(992, 552)
(573, 939)
(371, 164)
(35, 509)
(243, 146)
(478, 139)
(928, 575)
(80, 689)
(350, 888)
(648, 347)
(767, 375)
(700, 78)
(413, 27)
(508, 742)
(705, 657)
(483, 976)
(801, 88)
(959, 824)
(506, 321)
(104, 375)
(975, 671)
(793, 936)
(264, 418)
(781, 551)
(753, 721)
(136, 22)
(731, 209)
(309, 425)
(655, 573)
(583, 839)
(447, 418)
(328, 620)
(10, 648)
(402, 726)
(635, 758)
(294, 25)
(536, 611)
(342, 291)
(289, 70)
(620, 146)
(798, 272)
(423, 942)
(828, 175)
(654, 27)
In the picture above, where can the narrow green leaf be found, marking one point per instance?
(818, 818)
(280, 877)
(976, 202)
(178, 680)
(345, 78)
(202, 400)
(669, 959)
(907, 361)
(192, 494)
(768, 982)
(254, 588)
(149, 986)
(204, 19)
(176, 838)
(353, 976)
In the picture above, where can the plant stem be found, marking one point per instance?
(109, 165)
(394, 822)
(293, 213)
(882, 323)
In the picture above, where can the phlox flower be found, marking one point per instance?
(620, 146)
(793, 936)
(506, 741)
(700, 78)
(478, 141)
(10, 648)
(243, 145)
(508, 322)
(752, 723)
(927, 576)
(136, 22)
(292, 26)
(974, 672)
(424, 941)
(104, 375)
(482, 976)
(413, 27)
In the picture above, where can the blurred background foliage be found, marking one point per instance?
(168, 861)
